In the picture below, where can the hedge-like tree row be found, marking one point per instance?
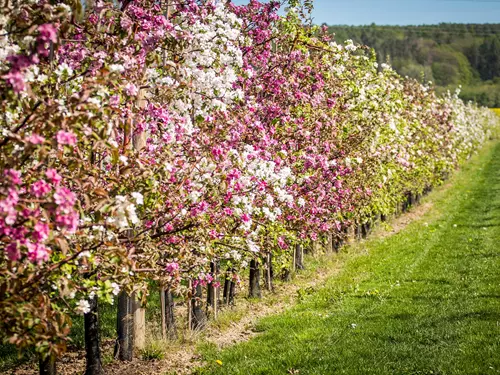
(181, 142)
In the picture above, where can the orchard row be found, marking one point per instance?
(161, 142)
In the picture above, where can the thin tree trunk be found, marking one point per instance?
(131, 317)
(47, 366)
(359, 232)
(139, 325)
(163, 304)
(365, 229)
(329, 243)
(269, 272)
(189, 306)
(124, 348)
(169, 314)
(299, 257)
(351, 233)
(316, 247)
(198, 316)
(229, 288)
(92, 340)
(286, 275)
(254, 285)
(338, 242)
(212, 291)
(232, 292)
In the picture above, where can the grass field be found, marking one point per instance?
(424, 301)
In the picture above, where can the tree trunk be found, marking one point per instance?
(286, 275)
(254, 285)
(168, 330)
(198, 316)
(299, 257)
(212, 291)
(139, 325)
(337, 243)
(269, 272)
(351, 233)
(169, 315)
(124, 348)
(316, 247)
(92, 340)
(358, 232)
(329, 243)
(232, 292)
(163, 314)
(48, 365)
(229, 288)
(365, 229)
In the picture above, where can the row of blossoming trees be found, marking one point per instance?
(162, 141)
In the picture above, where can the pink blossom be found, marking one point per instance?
(41, 231)
(245, 217)
(234, 174)
(8, 207)
(36, 139)
(66, 138)
(209, 278)
(172, 267)
(40, 188)
(37, 252)
(16, 79)
(217, 151)
(68, 221)
(126, 23)
(64, 197)
(114, 101)
(13, 252)
(47, 33)
(93, 19)
(14, 176)
(53, 176)
(131, 89)
(282, 243)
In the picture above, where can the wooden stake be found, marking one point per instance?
(190, 287)
(163, 314)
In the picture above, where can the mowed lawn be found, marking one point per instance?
(423, 301)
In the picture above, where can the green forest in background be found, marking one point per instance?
(447, 54)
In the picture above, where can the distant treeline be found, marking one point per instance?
(446, 54)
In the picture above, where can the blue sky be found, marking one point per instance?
(403, 12)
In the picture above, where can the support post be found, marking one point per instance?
(92, 340)
(254, 285)
(47, 365)
(299, 257)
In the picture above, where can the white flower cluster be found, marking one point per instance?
(125, 211)
(211, 64)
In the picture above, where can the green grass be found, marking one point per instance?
(424, 301)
